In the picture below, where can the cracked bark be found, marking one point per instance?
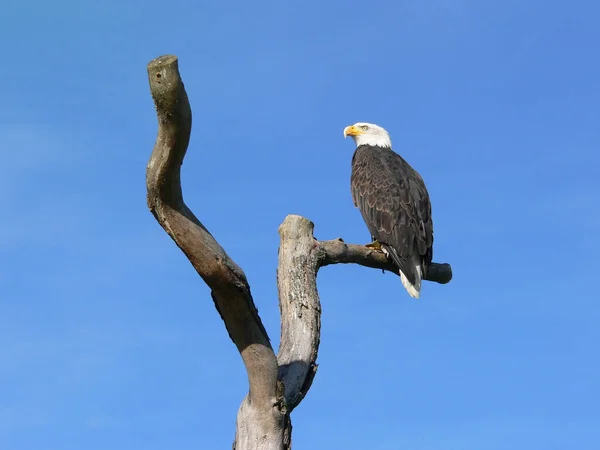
(277, 384)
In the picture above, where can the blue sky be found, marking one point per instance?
(111, 341)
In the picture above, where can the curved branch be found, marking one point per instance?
(230, 289)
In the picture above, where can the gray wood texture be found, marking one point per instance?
(277, 384)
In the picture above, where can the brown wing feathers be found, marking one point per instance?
(395, 206)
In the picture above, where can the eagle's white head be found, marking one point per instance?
(368, 134)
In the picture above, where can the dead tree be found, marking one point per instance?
(277, 383)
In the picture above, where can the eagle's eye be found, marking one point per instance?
(364, 127)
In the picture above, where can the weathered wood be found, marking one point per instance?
(276, 384)
(299, 306)
(259, 417)
(337, 251)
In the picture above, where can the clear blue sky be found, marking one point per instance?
(111, 341)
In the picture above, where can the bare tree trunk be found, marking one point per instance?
(277, 384)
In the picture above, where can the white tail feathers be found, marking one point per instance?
(413, 290)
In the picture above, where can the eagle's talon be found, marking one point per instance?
(375, 245)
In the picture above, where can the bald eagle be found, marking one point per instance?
(394, 203)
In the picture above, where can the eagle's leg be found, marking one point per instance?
(375, 245)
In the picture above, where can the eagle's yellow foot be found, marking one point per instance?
(375, 245)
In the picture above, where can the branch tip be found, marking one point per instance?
(294, 226)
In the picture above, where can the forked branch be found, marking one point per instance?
(276, 384)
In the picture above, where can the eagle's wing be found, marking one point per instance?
(394, 203)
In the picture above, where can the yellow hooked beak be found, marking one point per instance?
(352, 131)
